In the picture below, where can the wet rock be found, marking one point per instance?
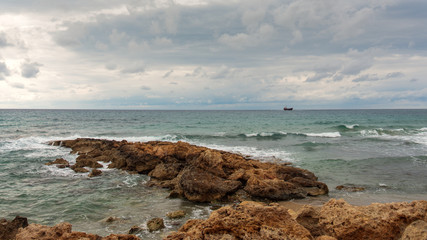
(197, 173)
(350, 188)
(59, 161)
(63, 231)
(95, 172)
(134, 230)
(377, 221)
(79, 169)
(8, 229)
(416, 230)
(176, 214)
(248, 220)
(155, 224)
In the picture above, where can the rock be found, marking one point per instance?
(134, 230)
(248, 220)
(416, 230)
(155, 224)
(60, 161)
(95, 172)
(79, 169)
(377, 221)
(62, 231)
(350, 188)
(197, 173)
(8, 230)
(176, 214)
(112, 219)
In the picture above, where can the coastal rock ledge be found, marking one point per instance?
(198, 173)
(336, 219)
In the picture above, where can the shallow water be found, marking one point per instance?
(384, 151)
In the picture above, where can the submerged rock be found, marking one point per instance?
(176, 214)
(60, 162)
(336, 219)
(197, 173)
(8, 229)
(350, 188)
(95, 172)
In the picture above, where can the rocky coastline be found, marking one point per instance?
(196, 173)
(256, 194)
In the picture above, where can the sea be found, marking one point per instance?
(383, 151)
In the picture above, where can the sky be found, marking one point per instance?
(213, 54)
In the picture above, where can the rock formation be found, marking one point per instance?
(62, 231)
(8, 229)
(197, 173)
(336, 219)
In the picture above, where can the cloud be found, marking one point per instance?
(145, 88)
(134, 68)
(168, 74)
(394, 75)
(366, 78)
(4, 70)
(30, 69)
(16, 85)
(4, 41)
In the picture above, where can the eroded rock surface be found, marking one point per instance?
(197, 173)
(63, 231)
(336, 219)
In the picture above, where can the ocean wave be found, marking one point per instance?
(347, 127)
(325, 134)
(418, 136)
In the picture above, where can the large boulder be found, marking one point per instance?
(197, 173)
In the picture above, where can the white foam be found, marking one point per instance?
(262, 154)
(352, 126)
(325, 134)
(367, 133)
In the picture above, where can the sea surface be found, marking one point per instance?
(384, 151)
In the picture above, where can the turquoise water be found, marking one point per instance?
(384, 151)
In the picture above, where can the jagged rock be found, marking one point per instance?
(8, 229)
(336, 219)
(62, 231)
(248, 220)
(95, 172)
(197, 173)
(155, 224)
(416, 230)
(59, 161)
(176, 214)
(377, 221)
(350, 188)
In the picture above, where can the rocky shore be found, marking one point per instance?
(336, 219)
(201, 174)
(196, 173)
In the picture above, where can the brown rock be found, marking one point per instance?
(308, 216)
(8, 230)
(416, 230)
(350, 188)
(376, 221)
(176, 214)
(155, 224)
(59, 161)
(248, 220)
(198, 173)
(134, 230)
(79, 169)
(62, 231)
(95, 172)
